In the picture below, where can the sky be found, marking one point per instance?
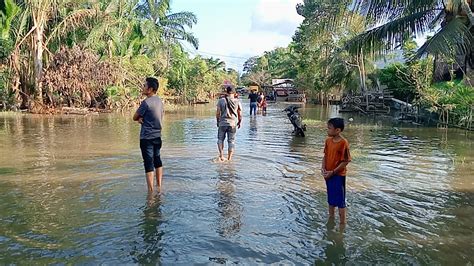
(235, 30)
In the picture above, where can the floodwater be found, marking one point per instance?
(72, 190)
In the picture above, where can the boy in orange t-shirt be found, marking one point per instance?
(336, 158)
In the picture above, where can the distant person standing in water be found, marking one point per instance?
(150, 116)
(253, 102)
(336, 158)
(259, 101)
(229, 117)
(263, 104)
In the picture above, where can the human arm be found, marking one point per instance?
(218, 115)
(239, 115)
(335, 171)
(344, 160)
(323, 166)
(323, 163)
(138, 116)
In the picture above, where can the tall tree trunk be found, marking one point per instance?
(38, 43)
(15, 86)
(364, 79)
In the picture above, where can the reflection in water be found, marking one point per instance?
(335, 250)
(229, 208)
(252, 126)
(150, 232)
(71, 192)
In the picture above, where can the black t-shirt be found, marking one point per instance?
(253, 97)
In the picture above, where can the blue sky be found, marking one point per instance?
(238, 29)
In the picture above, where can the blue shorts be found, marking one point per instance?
(336, 189)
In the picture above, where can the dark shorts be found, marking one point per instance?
(253, 107)
(151, 153)
(336, 189)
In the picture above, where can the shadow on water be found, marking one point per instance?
(335, 250)
(252, 126)
(150, 232)
(228, 206)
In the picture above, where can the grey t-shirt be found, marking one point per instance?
(151, 109)
(227, 117)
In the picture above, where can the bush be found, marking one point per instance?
(76, 77)
(453, 97)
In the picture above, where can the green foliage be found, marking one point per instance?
(315, 58)
(4, 93)
(8, 11)
(6, 46)
(452, 97)
(198, 78)
(393, 77)
(137, 38)
(390, 23)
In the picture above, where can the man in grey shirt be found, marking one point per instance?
(150, 116)
(229, 117)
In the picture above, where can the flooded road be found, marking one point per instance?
(72, 189)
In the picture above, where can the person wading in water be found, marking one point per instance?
(150, 116)
(229, 117)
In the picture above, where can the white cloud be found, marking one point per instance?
(271, 25)
(243, 46)
(277, 16)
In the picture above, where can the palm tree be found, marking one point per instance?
(43, 21)
(118, 32)
(391, 22)
(172, 25)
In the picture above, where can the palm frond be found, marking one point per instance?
(168, 25)
(450, 40)
(379, 10)
(21, 27)
(388, 36)
(9, 11)
(177, 34)
(185, 18)
(162, 7)
(72, 21)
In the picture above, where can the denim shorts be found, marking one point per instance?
(228, 131)
(336, 189)
(151, 153)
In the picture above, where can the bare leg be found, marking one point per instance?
(332, 211)
(342, 215)
(229, 155)
(159, 175)
(149, 181)
(221, 149)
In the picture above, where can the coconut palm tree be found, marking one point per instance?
(391, 22)
(171, 25)
(42, 21)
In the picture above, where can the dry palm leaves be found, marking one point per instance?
(77, 78)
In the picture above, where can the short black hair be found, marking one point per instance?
(229, 89)
(152, 83)
(337, 122)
